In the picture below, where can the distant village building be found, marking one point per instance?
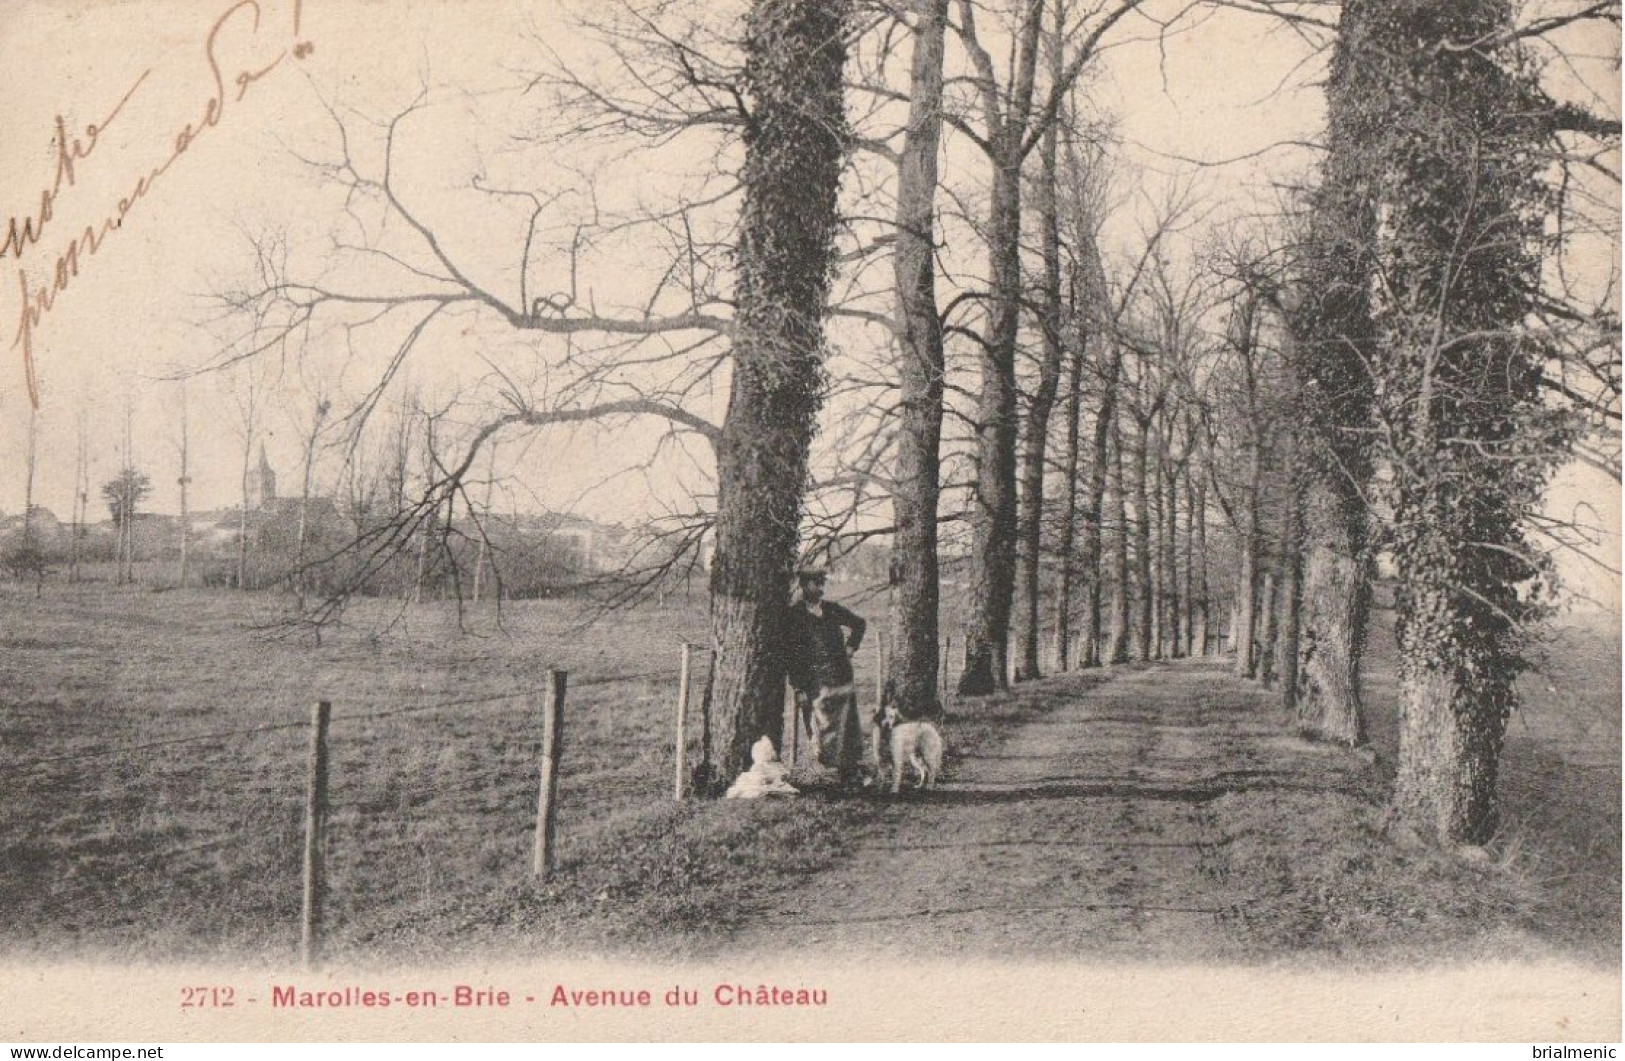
(582, 544)
(271, 521)
(261, 485)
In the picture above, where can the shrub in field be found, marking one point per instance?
(23, 560)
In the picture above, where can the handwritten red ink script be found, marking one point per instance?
(23, 233)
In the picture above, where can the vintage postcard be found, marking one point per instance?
(809, 520)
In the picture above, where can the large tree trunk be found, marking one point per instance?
(1202, 639)
(1073, 414)
(1188, 584)
(1333, 343)
(1144, 596)
(913, 574)
(1243, 619)
(1267, 602)
(1245, 624)
(1460, 146)
(1040, 407)
(1336, 595)
(1286, 660)
(1093, 525)
(993, 511)
(1158, 583)
(1118, 637)
(1455, 678)
(795, 142)
(1170, 562)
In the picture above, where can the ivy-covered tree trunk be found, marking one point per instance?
(914, 581)
(1472, 445)
(1331, 358)
(1334, 596)
(795, 144)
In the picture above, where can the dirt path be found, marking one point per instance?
(1160, 813)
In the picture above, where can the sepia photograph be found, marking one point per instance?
(810, 520)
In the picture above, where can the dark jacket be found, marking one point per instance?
(818, 645)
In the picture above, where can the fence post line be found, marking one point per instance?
(682, 720)
(315, 884)
(548, 789)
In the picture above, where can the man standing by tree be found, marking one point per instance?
(822, 638)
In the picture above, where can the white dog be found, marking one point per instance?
(916, 743)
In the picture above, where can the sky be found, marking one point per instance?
(139, 310)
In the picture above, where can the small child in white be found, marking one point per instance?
(766, 776)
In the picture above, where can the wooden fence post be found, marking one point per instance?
(548, 790)
(682, 720)
(310, 925)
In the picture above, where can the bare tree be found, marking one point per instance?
(1041, 402)
(1014, 121)
(1072, 418)
(914, 578)
(184, 481)
(125, 520)
(28, 480)
(81, 491)
(245, 397)
(1118, 628)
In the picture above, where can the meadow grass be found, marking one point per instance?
(194, 848)
(116, 844)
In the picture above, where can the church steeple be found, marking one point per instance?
(261, 482)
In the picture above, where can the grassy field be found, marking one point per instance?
(1560, 775)
(118, 843)
(193, 848)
